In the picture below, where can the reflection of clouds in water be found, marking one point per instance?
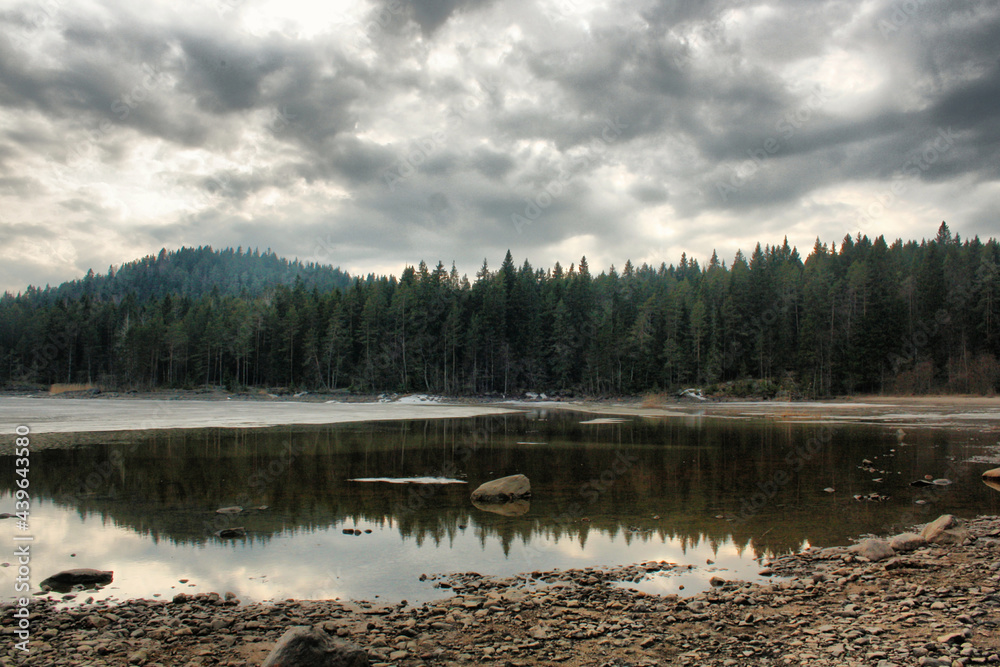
(326, 564)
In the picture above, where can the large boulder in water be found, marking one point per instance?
(945, 529)
(66, 579)
(512, 508)
(505, 489)
(303, 646)
(992, 478)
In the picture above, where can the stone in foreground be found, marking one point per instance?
(505, 489)
(303, 646)
(907, 542)
(80, 577)
(945, 529)
(873, 550)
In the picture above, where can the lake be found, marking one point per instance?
(606, 491)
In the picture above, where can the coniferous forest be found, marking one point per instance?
(862, 316)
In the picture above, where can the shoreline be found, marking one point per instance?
(68, 420)
(935, 605)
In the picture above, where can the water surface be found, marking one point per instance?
(685, 490)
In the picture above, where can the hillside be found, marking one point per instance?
(193, 272)
(865, 317)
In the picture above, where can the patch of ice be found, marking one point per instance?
(410, 480)
(418, 398)
(604, 420)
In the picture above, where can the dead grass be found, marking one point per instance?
(655, 400)
(63, 388)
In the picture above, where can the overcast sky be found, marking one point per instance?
(371, 136)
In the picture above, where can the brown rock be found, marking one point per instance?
(946, 529)
(873, 550)
(907, 542)
(82, 576)
(992, 478)
(505, 489)
(303, 646)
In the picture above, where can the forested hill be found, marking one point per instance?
(866, 316)
(193, 272)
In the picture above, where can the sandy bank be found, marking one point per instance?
(61, 415)
(77, 415)
(947, 411)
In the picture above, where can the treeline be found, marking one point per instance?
(862, 317)
(193, 272)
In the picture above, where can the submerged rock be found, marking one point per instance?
(304, 646)
(80, 577)
(512, 508)
(232, 532)
(992, 478)
(505, 489)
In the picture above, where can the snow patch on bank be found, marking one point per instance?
(410, 480)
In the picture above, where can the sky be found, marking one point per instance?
(372, 136)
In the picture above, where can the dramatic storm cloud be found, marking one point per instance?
(371, 136)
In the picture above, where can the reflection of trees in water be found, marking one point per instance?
(168, 486)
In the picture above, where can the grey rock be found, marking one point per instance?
(303, 646)
(992, 478)
(512, 508)
(232, 532)
(83, 576)
(907, 542)
(505, 489)
(946, 529)
(873, 550)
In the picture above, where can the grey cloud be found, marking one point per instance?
(699, 90)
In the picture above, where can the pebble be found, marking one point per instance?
(935, 605)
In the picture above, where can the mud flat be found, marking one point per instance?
(50, 418)
(936, 605)
(899, 411)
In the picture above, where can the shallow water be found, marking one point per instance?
(685, 490)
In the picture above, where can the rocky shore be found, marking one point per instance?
(932, 605)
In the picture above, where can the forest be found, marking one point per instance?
(862, 317)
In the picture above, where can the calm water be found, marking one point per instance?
(683, 490)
